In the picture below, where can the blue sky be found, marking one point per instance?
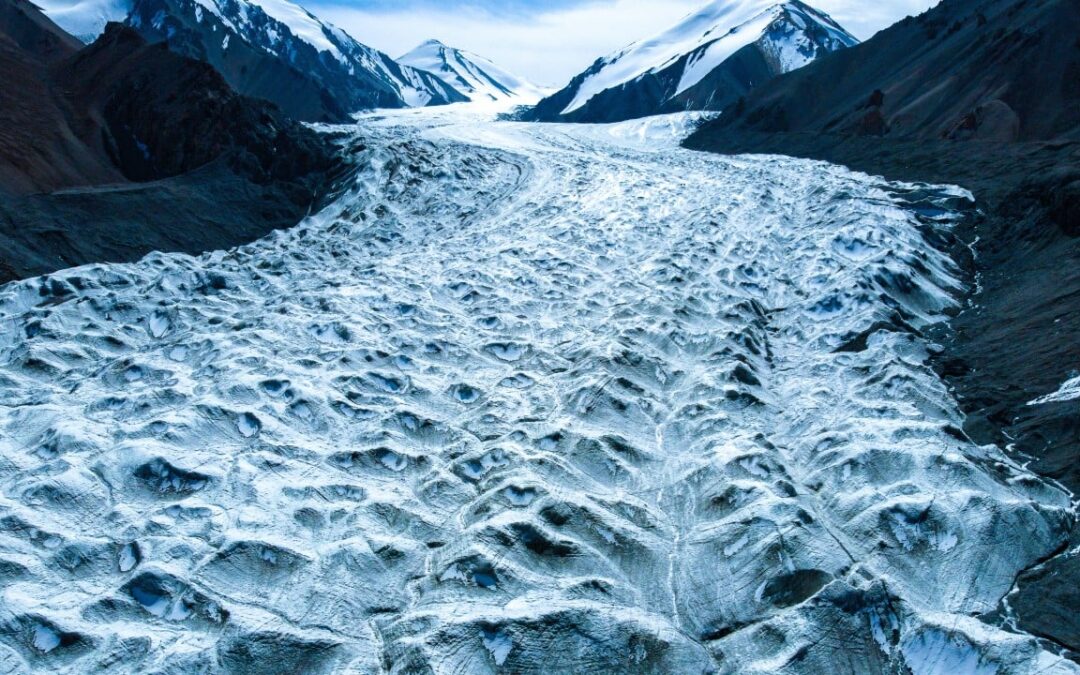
(549, 41)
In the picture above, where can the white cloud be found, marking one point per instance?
(551, 46)
(863, 18)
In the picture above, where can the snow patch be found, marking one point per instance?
(721, 48)
(1068, 391)
(302, 23)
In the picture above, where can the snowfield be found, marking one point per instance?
(528, 399)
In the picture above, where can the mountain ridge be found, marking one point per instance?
(313, 71)
(474, 76)
(705, 62)
(115, 149)
(967, 70)
(272, 49)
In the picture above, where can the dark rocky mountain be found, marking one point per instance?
(969, 69)
(277, 51)
(706, 62)
(29, 31)
(38, 147)
(984, 94)
(123, 147)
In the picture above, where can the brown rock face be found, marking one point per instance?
(165, 115)
(110, 151)
(991, 121)
(872, 124)
(40, 144)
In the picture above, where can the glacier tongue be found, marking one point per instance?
(527, 398)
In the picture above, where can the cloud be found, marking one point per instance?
(863, 19)
(552, 40)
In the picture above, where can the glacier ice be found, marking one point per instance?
(525, 399)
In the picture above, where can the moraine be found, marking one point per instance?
(525, 399)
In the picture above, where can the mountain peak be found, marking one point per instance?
(319, 72)
(704, 62)
(474, 76)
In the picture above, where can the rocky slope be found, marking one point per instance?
(984, 94)
(999, 70)
(707, 61)
(278, 51)
(85, 19)
(472, 75)
(38, 147)
(122, 147)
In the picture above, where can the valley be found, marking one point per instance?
(526, 398)
(749, 347)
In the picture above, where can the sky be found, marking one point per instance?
(550, 41)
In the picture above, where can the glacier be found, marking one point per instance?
(524, 398)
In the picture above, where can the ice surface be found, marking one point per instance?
(45, 639)
(656, 133)
(533, 399)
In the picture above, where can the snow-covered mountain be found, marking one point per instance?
(85, 19)
(706, 62)
(278, 50)
(272, 49)
(471, 74)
